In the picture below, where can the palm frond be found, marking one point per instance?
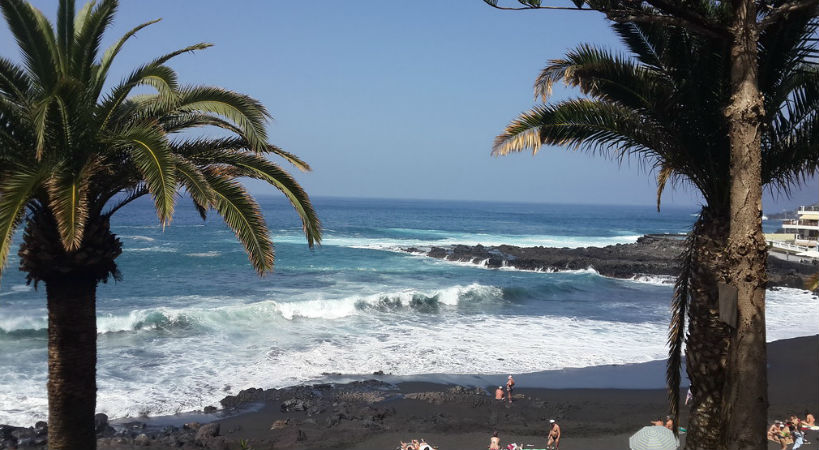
(40, 112)
(256, 166)
(65, 28)
(16, 188)
(245, 112)
(663, 176)
(189, 49)
(88, 31)
(132, 194)
(68, 202)
(585, 124)
(194, 182)
(289, 157)
(605, 76)
(13, 81)
(113, 51)
(676, 329)
(162, 78)
(36, 44)
(242, 214)
(151, 155)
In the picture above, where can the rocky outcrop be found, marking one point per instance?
(655, 254)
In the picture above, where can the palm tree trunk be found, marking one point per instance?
(708, 337)
(746, 397)
(72, 357)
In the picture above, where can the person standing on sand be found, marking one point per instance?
(510, 384)
(494, 442)
(499, 393)
(553, 441)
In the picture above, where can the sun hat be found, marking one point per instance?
(510, 376)
(551, 420)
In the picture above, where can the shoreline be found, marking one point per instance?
(451, 412)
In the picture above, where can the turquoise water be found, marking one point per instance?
(191, 322)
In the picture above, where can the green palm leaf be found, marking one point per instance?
(255, 166)
(38, 55)
(242, 214)
(162, 78)
(68, 201)
(246, 113)
(88, 30)
(194, 182)
(112, 51)
(16, 188)
(152, 157)
(14, 83)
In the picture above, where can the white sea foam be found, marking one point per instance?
(18, 288)
(449, 239)
(138, 238)
(483, 264)
(239, 315)
(154, 248)
(209, 254)
(656, 280)
(248, 348)
(16, 322)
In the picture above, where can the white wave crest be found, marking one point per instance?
(209, 254)
(155, 248)
(348, 306)
(138, 238)
(445, 239)
(656, 280)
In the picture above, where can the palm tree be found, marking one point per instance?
(665, 106)
(72, 153)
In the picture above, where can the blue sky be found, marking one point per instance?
(395, 99)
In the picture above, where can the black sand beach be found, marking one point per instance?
(378, 415)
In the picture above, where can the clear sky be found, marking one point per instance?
(395, 99)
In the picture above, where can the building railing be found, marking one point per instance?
(808, 208)
(803, 222)
(789, 246)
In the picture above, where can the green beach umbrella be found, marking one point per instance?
(653, 438)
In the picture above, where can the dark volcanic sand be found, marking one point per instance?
(650, 255)
(377, 415)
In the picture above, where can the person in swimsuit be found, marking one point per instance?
(510, 384)
(809, 419)
(499, 393)
(554, 435)
(773, 432)
(494, 442)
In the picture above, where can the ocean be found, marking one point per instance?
(191, 322)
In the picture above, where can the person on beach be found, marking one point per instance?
(510, 384)
(658, 423)
(773, 431)
(809, 419)
(499, 393)
(553, 442)
(494, 442)
(798, 437)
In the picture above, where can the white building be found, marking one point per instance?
(805, 228)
